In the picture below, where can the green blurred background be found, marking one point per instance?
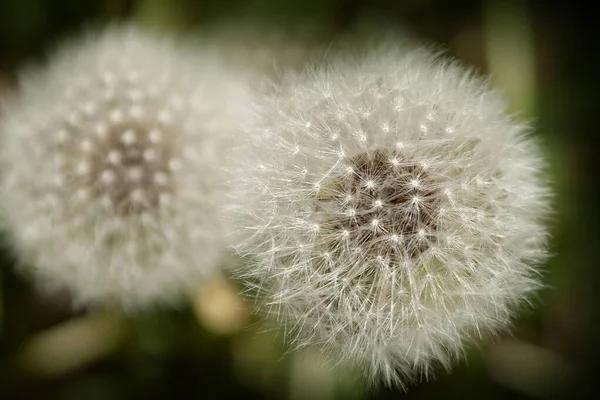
(540, 53)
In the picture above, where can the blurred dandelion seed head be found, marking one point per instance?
(111, 158)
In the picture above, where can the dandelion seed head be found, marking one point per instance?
(135, 222)
(421, 257)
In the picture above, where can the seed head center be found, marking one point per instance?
(126, 169)
(387, 196)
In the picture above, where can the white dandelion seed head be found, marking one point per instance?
(430, 208)
(110, 167)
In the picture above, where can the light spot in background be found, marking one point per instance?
(71, 345)
(219, 307)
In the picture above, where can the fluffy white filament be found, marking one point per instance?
(390, 210)
(110, 160)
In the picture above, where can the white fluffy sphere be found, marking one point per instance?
(110, 156)
(390, 210)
